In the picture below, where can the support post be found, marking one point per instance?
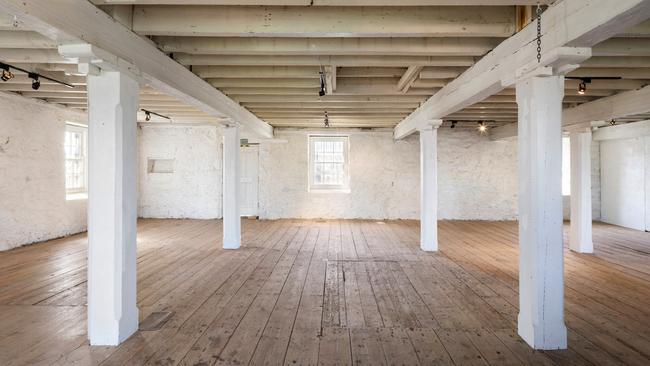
(231, 217)
(580, 235)
(429, 185)
(541, 277)
(112, 210)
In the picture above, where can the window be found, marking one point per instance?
(328, 163)
(566, 166)
(75, 159)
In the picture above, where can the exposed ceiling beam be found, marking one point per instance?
(328, 46)
(625, 73)
(264, 83)
(256, 72)
(313, 21)
(577, 23)
(308, 60)
(25, 39)
(623, 47)
(22, 55)
(629, 103)
(408, 77)
(70, 21)
(620, 62)
(329, 98)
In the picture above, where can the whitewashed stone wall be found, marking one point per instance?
(193, 190)
(383, 174)
(33, 204)
(477, 178)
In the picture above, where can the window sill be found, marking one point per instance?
(76, 196)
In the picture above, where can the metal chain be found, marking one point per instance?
(539, 33)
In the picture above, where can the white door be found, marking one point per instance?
(249, 180)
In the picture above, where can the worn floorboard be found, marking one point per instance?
(328, 292)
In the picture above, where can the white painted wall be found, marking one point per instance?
(595, 186)
(477, 178)
(193, 190)
(33, 204)
(623, 180)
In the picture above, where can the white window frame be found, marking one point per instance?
(334, 188)
(82, 192)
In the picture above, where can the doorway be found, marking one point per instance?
(249, 182)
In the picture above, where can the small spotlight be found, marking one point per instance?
(482, 127)
(327, 120)
(147, 116)
(612, 122)
(6, 73)
(582, 88)
(453, 124)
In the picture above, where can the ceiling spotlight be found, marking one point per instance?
(147, 116)
(35, 83)
(582, 88)
(482, 127)
(612, 122)
(6, 73)
(453, 124)
(327, 120)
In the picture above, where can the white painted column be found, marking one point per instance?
(580, 239)
(112, 207)
(231, 217)
(429, 186)
(541, 277)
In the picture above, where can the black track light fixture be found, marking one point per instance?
(321, 92)
(453, 124)
(584, 80)
(148, 113)
(36, 84)
(327, 120)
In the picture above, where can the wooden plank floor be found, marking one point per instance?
(330, 293)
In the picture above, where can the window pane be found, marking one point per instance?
(75, 159)
(328, 162)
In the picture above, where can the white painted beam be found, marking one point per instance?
(580, 232)
(312, 21)
(620, 105)
(623, 131)
(68, 22)
(317, 60)
(541, 276)
(231, 169)
(429, 186)
(444, 46)
(21, 55)
(112, 208)
(408, 78)
(577, 23)
(25, 39)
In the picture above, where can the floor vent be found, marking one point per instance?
(156, 320)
